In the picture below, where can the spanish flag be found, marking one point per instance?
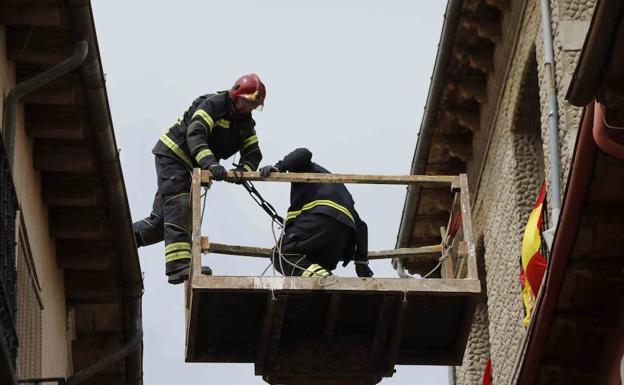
(487, 373)
(533, 262)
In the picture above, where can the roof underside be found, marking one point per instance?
(354, 331)
(63, 119)
(473, 40)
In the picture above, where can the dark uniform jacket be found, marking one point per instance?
(211, 130)
(329, 199)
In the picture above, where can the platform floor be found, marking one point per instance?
(352, 332)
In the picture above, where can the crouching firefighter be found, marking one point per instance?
(214, 127)
(322, 226)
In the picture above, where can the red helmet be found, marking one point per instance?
(249, 87)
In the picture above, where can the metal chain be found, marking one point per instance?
(266, 206)
(255, 195)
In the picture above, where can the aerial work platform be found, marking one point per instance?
(304, 331)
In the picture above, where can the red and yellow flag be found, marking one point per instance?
(487, 373)
(533, 262)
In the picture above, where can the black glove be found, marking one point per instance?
(218, 172)
(266, 170)
(362, 269)
(238, 172)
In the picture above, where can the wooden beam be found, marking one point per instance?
(468, 119)
(282, 377)
(428, 253)
(265, 337)
(454, 166)
(397, 335)
(276, 332)
(465, 326)
(330, 319)
(271, 332)
(196, 253)
(43, 47)
(502, 5)
(76, 254)
(56, 122)
(467, 229)
(102, 343)
(476, 57)
(463, 287)
(446, 269)
(337, 178)
(32, 14)
(485, 26)
(65, 91)
(92, 286)
(79, 223)
(469, 89)
(93, 319)
(242, 251)
(457, 147)
(384, 320)
(61, 157)
(436, 200)
(64, 189)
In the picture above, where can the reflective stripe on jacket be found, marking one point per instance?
(211, 130)
(331, 199)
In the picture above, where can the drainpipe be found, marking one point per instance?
(130, 346)
(553, 123)
(32, 84)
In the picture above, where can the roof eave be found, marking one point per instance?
(425, 135)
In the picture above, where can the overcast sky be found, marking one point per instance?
(347, 79)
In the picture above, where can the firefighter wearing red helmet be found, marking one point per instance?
(214, 127)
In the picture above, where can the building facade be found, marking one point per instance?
(487, 115)
(70, 276)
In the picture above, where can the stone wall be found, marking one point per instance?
(496, 211)
(516, 161)
(570, 22)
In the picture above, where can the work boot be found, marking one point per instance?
(315, 270)
(177, 277)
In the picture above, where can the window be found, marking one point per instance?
(29, 308)
(8, 209)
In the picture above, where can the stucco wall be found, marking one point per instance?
(510, 181)
(54, 361)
